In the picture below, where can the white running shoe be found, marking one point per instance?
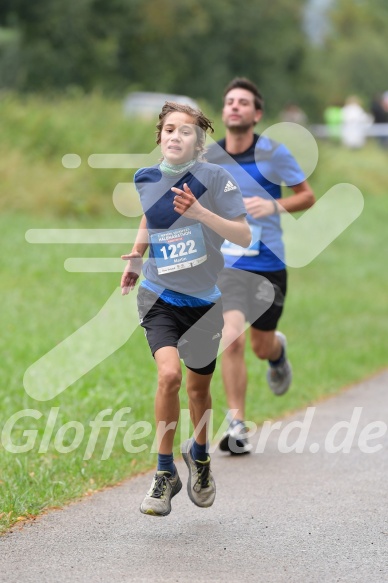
(158, 499)
(279, 377)
(234, 439)
(201, 486)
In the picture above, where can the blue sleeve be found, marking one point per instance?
(139, 175)
(286, 167)
(135, 179)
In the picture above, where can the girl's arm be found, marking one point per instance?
(135, 258)
(235, 230)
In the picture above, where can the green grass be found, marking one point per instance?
(335, 317)
(37, 133)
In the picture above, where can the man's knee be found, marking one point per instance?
(261, 352)
(262, 344)
(233, 340)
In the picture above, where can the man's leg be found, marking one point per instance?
(271, 346)
(235, 379)
(266, 345)
(233, 367)
(267, 342)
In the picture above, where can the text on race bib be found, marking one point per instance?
(179, 249)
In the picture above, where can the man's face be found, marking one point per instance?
(239, 112)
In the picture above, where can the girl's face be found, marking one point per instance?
(178, 138)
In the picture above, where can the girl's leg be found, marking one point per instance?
(167, 407)
(166, 483)
(200, 404)
(201, 486)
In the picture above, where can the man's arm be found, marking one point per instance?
(303, 198)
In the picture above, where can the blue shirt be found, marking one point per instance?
(260, 171)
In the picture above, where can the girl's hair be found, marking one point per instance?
(201, 122)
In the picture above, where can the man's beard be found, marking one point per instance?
(239, 129)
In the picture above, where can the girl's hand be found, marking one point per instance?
(131, 272)
(186, 204)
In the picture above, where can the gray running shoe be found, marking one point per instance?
(235, 440)
(201, 486)
(279, 377)
(158, 499)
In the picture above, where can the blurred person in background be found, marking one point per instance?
(379, 110)
(254, 281)
(332, 117)
(355, 124)
(294, 114)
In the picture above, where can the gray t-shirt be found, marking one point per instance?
(184, 254)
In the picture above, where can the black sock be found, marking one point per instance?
(166, 463)
(199, 451)
(279, 360)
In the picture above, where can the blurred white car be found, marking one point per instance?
(148, 105)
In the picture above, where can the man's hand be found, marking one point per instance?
(131, 271)
(259, 207)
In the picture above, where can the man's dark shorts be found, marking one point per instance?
(258, 295)
(195, 331)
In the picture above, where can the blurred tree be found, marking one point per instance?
(353, 58)
(64, 43)
(197, 46)
(194, 47)
(155, 41)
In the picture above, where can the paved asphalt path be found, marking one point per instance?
(315, 516)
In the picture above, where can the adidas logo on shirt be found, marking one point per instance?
(229, 186)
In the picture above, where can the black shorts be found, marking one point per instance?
(258, 295)
(195, 332)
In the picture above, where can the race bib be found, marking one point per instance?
(229, 248)
(179, 249)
